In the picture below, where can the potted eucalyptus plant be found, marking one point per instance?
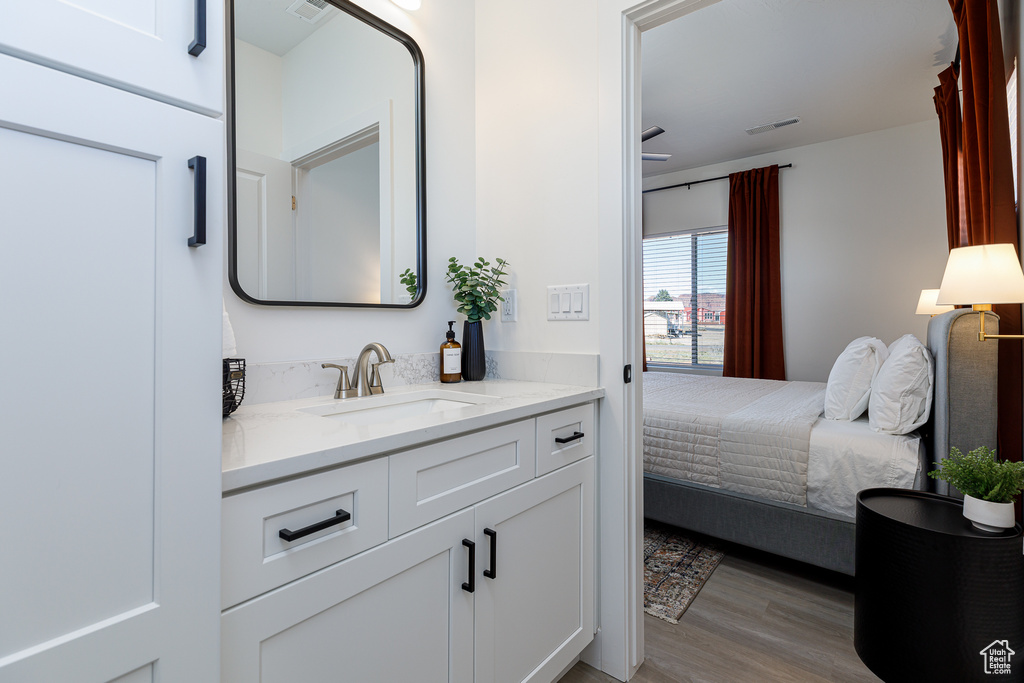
(477, 291)
(989, 486)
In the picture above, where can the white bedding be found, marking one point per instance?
(847, 457)
(749, 436)
(764, 438)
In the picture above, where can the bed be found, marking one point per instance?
(753, 461)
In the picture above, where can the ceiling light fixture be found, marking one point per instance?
(408, 5)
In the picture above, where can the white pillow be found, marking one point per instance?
(901, 395)
(849, 383)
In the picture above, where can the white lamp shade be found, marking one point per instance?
(988, 274)
(410, 5)
(926, 304)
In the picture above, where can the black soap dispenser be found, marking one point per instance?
(451, 357)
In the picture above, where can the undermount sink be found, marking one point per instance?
(383, 408)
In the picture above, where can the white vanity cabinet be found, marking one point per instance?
(536, 615)
(394, 613)
(109, 496)
(487, 574)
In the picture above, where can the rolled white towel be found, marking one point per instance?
(228, 339)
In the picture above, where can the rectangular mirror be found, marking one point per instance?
(326, 127)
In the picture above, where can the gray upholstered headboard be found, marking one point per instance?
(966, 371)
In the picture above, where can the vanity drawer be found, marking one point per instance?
(433, 481)
(254, 557)
(564, 425)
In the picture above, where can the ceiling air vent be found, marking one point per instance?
(772, 126)
(311, 11)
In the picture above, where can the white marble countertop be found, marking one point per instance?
(271, 441)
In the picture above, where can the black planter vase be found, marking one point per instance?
(474, 365)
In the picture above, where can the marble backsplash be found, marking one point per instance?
(287, 380)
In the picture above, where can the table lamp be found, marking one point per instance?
(926, 304)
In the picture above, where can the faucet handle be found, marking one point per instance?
(376, 385)
(344, 388)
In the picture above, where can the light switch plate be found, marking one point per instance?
(509, 307)
(569, 302)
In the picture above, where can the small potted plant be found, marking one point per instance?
(477, 291)
(989, 486)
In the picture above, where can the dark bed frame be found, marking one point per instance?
(963, 415)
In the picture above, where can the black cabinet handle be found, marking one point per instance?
(339, 517)
(567, 439)
(470, 586)
(492, 573)
(198, 165)
(199, 44)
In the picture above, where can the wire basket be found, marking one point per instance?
(234, 384)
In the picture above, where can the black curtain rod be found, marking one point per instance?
(697, 182)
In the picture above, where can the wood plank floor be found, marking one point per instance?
(758, 618)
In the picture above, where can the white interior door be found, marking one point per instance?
(536, 615)
(109, 499)
(265, 227)
(139, 45)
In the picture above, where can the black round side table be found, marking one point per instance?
(936, 599)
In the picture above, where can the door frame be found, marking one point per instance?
(618, 647)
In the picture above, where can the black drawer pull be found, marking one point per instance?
(492, 573)
(339, 517)
(470, 586)
(567, 439)
(196, 47)
(198, 165)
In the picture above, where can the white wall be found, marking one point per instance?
(444, 32)
(258, 95)
(863, 232)
(536, 159)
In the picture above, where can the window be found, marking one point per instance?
(684, 298)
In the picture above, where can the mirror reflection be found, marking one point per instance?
(328, 156)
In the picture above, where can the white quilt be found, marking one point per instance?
(749, 436)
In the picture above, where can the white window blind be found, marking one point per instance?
(684, 298)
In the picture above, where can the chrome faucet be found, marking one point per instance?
(344, 389)
(367, 376)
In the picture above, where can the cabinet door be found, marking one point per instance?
(110, 491)
(536, 615)
(138, 45)
(394, 613)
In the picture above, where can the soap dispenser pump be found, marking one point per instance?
(451, 357)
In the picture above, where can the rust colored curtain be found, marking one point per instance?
(947, 106)
(988, 186)
(753, 330)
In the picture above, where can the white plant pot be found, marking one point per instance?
(989, 516)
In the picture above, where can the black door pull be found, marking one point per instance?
(492, 572)
(196, 47)
(339, 517)
(470, 586)
(567, 439)
(198, 165)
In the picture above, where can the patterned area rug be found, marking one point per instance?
(675, 569)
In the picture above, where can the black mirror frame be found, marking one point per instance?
(421, 170)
